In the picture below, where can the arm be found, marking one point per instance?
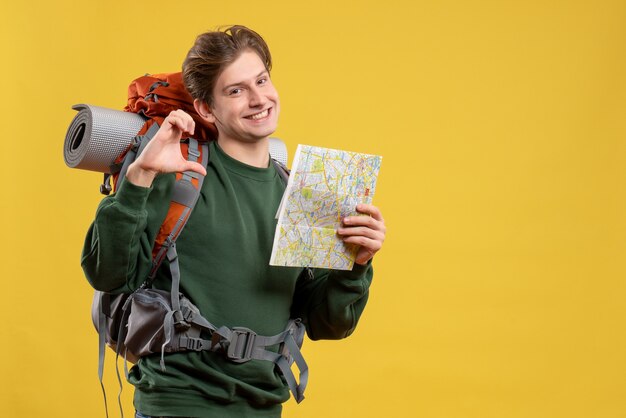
(117, 255)
(117, 250)
(331, 302)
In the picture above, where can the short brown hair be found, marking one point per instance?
(213, 51)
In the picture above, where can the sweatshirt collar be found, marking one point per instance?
(243, 169)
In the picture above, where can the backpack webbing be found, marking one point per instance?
(239, 344)
(185, 193)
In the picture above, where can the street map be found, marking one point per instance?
(325, 186)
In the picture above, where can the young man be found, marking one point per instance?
(225, 248)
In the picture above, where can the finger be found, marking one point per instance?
(195, 167)
(361, 231)
(367, 221)
(369, 244)
(181, 120)
(370, 210)
(186, 126)
(363, 256)
(189, 123)
(173, 122)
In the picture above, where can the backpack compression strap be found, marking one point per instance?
(239, 344)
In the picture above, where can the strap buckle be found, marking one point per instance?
(194, 344)
(241, 344)
(180, 321)
(193, 152)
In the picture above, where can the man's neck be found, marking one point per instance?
(255, 154)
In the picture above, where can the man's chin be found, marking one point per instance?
(254, 139)
(260, 136)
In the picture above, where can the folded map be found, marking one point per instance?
(325, 186)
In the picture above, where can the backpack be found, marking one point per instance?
(152, 321)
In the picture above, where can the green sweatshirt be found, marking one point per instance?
(224, 254)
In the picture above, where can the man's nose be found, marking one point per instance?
(256, 98)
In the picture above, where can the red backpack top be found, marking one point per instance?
(155, 96)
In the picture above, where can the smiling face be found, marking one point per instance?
(245, 104)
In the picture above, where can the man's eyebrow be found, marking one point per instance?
(242, 82)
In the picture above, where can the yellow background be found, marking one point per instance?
(501, 289)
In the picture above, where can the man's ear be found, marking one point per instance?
(203, 110)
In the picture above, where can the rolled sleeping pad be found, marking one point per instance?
(98, 135)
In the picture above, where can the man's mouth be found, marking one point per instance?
(259, 115)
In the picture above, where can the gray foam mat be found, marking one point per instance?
(97, 136)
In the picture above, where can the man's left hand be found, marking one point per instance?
(366, 231)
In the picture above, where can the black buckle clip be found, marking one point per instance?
(105, 187)
(241, 345)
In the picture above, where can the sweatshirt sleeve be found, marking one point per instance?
(117, 254)
(331, 302)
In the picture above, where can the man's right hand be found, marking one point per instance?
(162, 154)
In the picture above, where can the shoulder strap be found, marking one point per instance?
(282, 169)
(138, 145)
(184, 197)
(185, 192)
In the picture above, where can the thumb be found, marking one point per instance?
(195, 167)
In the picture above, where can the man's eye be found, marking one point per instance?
(262, 81)
(234, 91)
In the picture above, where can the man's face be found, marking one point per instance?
(245, 103)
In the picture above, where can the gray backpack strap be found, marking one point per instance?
(291, 341)
(185, 193)
(101, 310)
(139, 143)
(118, 349)
(282, 169)
(101, 345)
(137, 146)
(242, 345)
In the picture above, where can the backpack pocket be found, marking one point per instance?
(153, 326)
